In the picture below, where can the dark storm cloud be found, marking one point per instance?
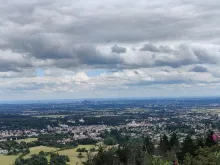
(118, 49)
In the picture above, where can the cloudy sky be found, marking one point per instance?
(51, 49)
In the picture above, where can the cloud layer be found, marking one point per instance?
(137, 45)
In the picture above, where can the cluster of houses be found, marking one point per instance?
(154, 126)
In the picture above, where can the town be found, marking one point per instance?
(90, 122)
(155, 117)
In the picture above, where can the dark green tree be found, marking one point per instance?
(188, 146)
(164, 145)
(56, 159)
(19, 161)
(174, 142)
(37, 160)
(148, 145)
(209, 140)
(109, 141)
(200, 143)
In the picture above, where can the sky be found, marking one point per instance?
(56, 49)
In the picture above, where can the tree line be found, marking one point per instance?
(41, 159)
(169, 151)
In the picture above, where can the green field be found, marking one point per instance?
(51, 116)
(206, 110)
(36, 150)
(9, 160)
(135, 110)
(73, 154)
(28, 140)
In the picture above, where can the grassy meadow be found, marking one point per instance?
(28, 140)
(9, 160)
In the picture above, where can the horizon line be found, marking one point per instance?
(103, 99)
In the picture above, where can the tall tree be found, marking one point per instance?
(164, 145)
(174, 142)
(209, 140)
(148, 145)
(200, 142)
(188, 146)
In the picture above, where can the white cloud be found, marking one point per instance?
(156, 43)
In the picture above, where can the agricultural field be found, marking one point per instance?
(28, 140)
(36, 150)
(51, 116)
(73, 154)
(136, 110)
(7, 160)
(205, 110)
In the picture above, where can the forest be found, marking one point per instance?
(170, 151)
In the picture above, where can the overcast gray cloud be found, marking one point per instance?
(150, 47)
(199, 69)
(118, 49)
(65, 37)
(15, 62)
(153, 48)
(56, 29)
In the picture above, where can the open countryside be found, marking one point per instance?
(28, 140)
(51, 116)
(72, 153)
(156, 129)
